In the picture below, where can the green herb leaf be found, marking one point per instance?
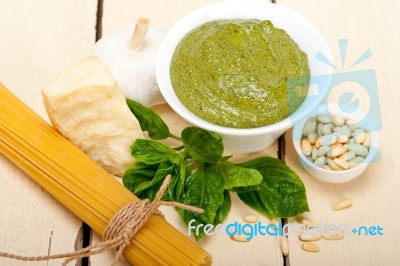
(235, 176)
(149, 121)
(163, 170)
(223, 211)
(281, 192)
(204, 189)
(202, 145)
(142, 173)
(151, 151)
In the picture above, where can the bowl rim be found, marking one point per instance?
(333, 109)
(210, 13)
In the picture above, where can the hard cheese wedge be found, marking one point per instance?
(85, 104)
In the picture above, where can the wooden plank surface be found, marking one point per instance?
(163, 14)
(374, 25)
(37, 41)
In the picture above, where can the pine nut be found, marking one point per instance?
(359, 136)
(343, 129)
(337, 150)
(341, 138)
(310, 237)
(326, 167)
(358, 149)
(312, 137)
(311, 247)
(309, 127)
(325, 119)
(338, 121)
(342, 163)
(333, 236)
(345, 146)
(314, 153)
(319, 129)
(354, 162)
(318, 143)
(346, 203)
(323, 150)
(320, 161)
(334, 166)
(327, 140)
(306, 147)
(239, 238)
(252, 218)
(327, 129)
(352, 124)
(367, 140)
(348, 156)
(284, 244)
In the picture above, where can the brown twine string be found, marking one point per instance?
(119, 231)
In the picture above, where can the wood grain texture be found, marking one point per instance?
(38, 40)
(260, 250)
(375, 194)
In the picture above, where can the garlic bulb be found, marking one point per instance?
(131, 58)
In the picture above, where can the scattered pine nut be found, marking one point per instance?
(284, 244)
(239, 238)
(346, 203)
(252, 218)
(310, 237)
(335, 236)
(311, 247)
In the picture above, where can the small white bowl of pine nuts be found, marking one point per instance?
(335, 146)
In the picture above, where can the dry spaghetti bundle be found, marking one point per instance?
(84, 187)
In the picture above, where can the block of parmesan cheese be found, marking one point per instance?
(85, 104)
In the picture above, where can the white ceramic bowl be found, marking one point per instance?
(336, 176)
(302, 32)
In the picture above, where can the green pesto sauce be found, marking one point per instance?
(240, 73)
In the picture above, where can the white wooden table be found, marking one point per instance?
(40, 38)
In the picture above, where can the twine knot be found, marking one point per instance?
(120, 229)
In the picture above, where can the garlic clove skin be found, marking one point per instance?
(134, 69)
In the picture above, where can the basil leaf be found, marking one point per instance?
(204, 189)
(245, 189)
(145, 180)
(175, 188)
(149, 121)
(281, 192)
(137, 174)
(163, 170)
(225, 158)
(202, 145)
(151, 151)
(223, 211)
(235, 176)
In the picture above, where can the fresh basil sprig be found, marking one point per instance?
(149, 121)
(203, 177)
